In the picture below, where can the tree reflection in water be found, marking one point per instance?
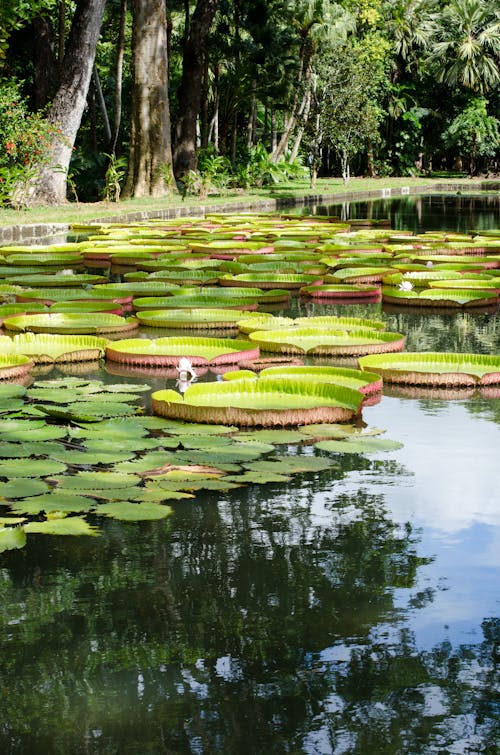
(254, 623)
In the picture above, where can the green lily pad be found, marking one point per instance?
(22, 487)
(88, 411)
(258, 478)
(289, 464)
(111, 429)
(84, 458)
(86, 480)
(10, 450)
(73, 525)
(30, 467)
(358, 446)
(133, 512)
(21, 430)
(105, 446)
(274, 437)
(151, 460)
(12, 538)
(52, 502)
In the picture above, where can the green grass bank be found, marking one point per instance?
(16, 225)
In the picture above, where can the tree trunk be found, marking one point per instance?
(69, 101)
(252, 117)
(102, 105)
(120, 49)
(190, 89)
(150, 157)
(304, 117)
(45, 71)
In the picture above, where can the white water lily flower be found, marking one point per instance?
(406, 286)
(185, 369)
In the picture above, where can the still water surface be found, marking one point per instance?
(352, 611)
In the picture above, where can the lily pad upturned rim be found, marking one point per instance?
(341, 343)
(167, 351)
(48, 348)
(284, 403)
(435, 368)
(14, 366)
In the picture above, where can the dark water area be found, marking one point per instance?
(356, 610)
(459, 212)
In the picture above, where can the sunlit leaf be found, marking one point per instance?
(30, 467)
(73, 525)
(22, 487)
(11, 538)
(133, 512)
(358, 446)
(54, 501)
(86, 480)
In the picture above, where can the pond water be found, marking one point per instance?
(355, 610)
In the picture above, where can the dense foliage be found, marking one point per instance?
(376, 87)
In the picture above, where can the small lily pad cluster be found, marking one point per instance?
(74, 450)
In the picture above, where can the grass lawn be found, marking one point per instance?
(76, 212)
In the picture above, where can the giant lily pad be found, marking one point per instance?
(168, 351)
(318, 341)
(439, 297)
(430, 368)
(368, 383)
(270, 281)
(49, 347)
(59, 322)
(342, 291)
(13, 366)
(268, 402)
(205, 318)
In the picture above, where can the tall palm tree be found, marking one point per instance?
(466, 44)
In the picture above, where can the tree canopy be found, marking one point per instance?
(199, 95)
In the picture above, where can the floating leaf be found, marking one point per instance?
(436, 368)
(11, 538)
(70, 323)
(358, 445)
(167, 351)
(88, 411)
(51, 502)
(259, 478)
(133, 512)
(111, 429)
(10, 450)
(12, 519)
(30, 467)
(73, 525)
(22, 487)
(265, 402)
(86, 480)
(21, 430)
(274, 437)
(289, 464)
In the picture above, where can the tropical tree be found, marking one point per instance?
(319, 26)
(66, 109)
(348, 116)
(474, 132)
(466, 44)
